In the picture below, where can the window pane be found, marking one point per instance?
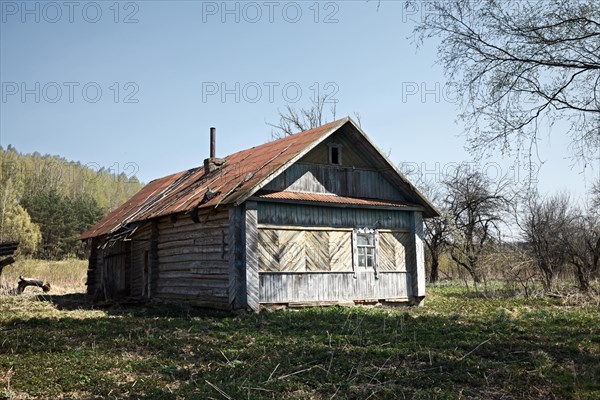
(365, 239)
(369, 261)
(361, 260)
(362, 240)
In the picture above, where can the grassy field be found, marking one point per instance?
(459, 346)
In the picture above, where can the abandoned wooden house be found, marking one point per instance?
(317, 217)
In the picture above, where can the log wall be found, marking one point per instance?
(193, 259)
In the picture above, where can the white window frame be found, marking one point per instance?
(355, 251)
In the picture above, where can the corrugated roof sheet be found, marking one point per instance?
(330, 198)
(242, 173)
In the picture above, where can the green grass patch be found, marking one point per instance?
(456, 347)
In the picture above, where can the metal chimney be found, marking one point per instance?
(213, 139)
(213, 163)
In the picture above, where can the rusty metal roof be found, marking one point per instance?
(330, 198)
(240, 177)
(242, 174)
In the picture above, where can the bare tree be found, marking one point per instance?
(475, 206)
(595, 195)
(546, 225)
(582, 245)
(294, 120)
(519, 65)
(436, 229)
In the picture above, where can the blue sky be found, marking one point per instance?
(136, 85)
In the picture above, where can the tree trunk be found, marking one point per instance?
(434, 274)
(584, 279)
(475, 275)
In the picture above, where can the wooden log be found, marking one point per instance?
(217, 251)
(176, 244)
(167, 229)
(24, 282)
(200, 233)
(204, 257)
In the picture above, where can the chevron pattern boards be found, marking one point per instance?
(286, 250)
(392, 250)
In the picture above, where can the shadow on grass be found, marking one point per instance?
(135, 308)
(312, 353)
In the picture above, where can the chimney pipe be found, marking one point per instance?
(213, 163)
(213, 138)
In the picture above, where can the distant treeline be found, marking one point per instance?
(46, 201)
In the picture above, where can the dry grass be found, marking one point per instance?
(66, 276)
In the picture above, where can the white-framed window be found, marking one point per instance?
(365, 242)
(335, 153)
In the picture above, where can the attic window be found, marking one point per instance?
(335, 154)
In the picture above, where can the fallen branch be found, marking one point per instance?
(476, 347)
(24, 282)
(228, 397)
(299, 372)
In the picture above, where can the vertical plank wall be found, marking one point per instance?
(140, 248)
(419, 256)
(110, 278)
(343, 181)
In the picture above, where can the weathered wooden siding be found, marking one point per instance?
(305, 254)
(252, 277)
(140, 262)
(110, 277)
(351, 152)
(307, 215)
(304, 250)
(343, 181)
(92, 272)
(237, 258)
(329, 286)
(419, 255)
(395, 250)
(193, 262)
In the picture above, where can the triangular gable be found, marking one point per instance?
(382, 162)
